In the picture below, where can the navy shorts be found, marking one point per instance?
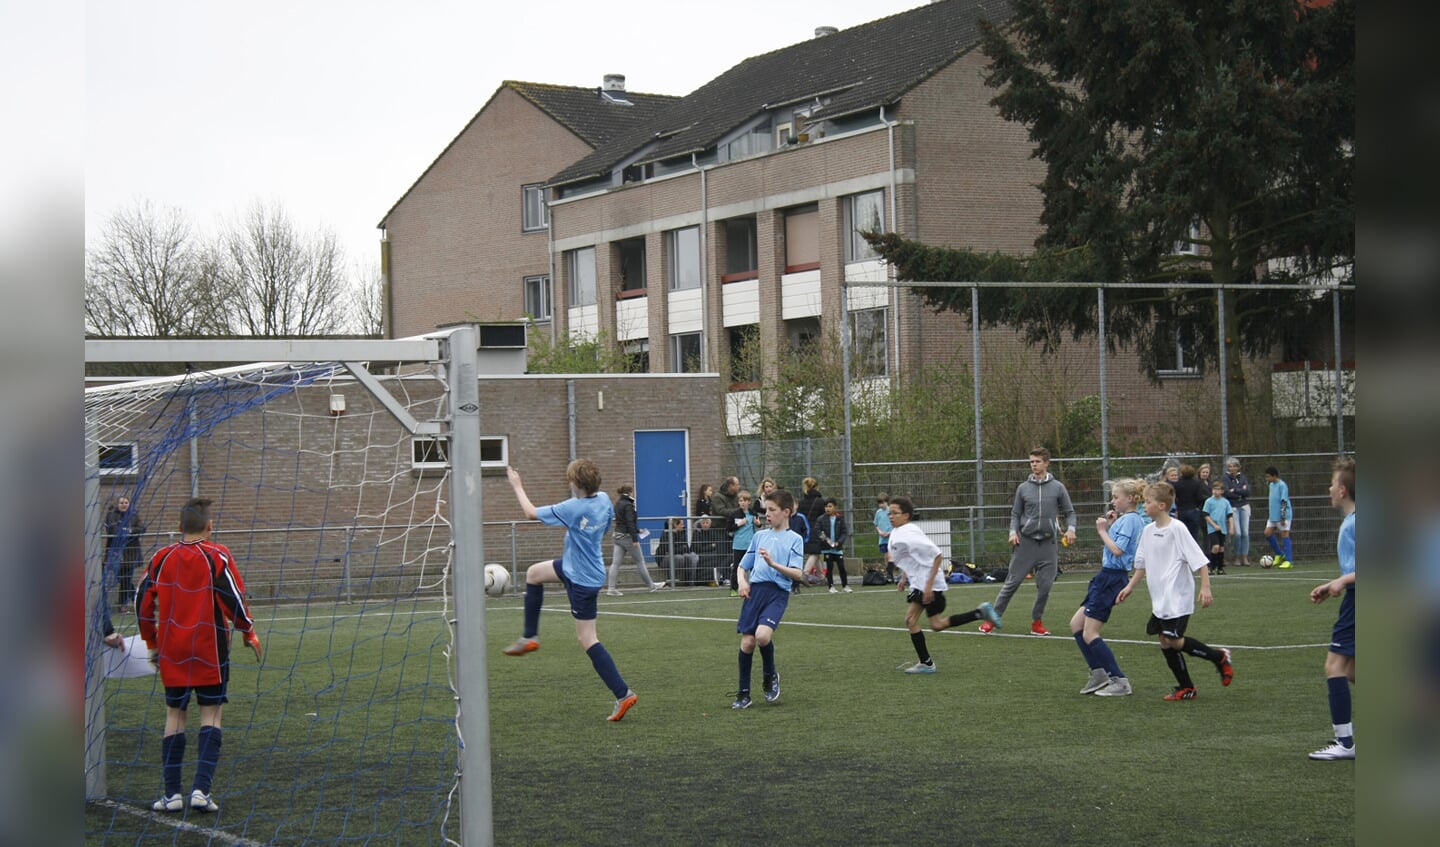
(178, 697)
(937, 603)
(764, 607)
(1342, 638)
(1171, 627)
(1100, 596)
(584, 605)
(884, 546)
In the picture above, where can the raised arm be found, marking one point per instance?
(519, 488)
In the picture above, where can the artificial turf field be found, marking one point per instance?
(998, 748)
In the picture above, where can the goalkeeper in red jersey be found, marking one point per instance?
(189, 596)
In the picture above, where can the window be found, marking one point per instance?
(863, 213)
(784, 134)
(432, 452)
(868, 343)
(683, 246)
(1185, 361)
(638, 354)
(537, 298)
(754, 142)
(802, 239)
(803, 335)
(580, 268)
(535, 215)
(631, 256)
(745, 354)
(742, 256)
(122, 459)
(1189, 243)
(685, 353)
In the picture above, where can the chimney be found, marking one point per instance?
(614, 82)
(822, 31)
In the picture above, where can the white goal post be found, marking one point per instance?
(452, 349)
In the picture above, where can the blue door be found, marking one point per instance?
(662, 478)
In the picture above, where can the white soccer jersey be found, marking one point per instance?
(915, 553)
(1170, 557)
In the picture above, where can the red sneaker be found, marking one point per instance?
(1038, 628)
(1181, 694)
(986, 626)
(1227, 672)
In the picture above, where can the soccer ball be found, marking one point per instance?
(497, 579)
(1266, 561)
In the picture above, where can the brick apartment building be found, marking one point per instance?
(733, 213)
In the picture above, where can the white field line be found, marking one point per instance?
(176, 822)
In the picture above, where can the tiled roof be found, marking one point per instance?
(582, 111)
(586, 113)
(862, 67)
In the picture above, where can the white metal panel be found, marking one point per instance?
(740, 415)
(867, 297)
(685, 312)
(632, 318)
(800, 295)
(741, 302)
(584, 321)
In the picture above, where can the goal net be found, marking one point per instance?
(338, 518)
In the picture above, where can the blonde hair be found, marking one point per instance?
(1130, 487)
(1161, 492)
(810, 483)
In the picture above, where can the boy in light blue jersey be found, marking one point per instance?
(1219, 523)
(1279, 520)
(1340, 661)
(775, 560)
(883, 528)
(586, 517)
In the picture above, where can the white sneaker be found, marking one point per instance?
(173, 803)
(613, 593)
(201, 802)
(1334, 751)
(834, 590)
(1119, 686)
(848, 590)
(657, 586)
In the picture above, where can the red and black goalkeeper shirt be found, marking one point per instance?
(191, 593)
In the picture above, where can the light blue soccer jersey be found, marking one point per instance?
(1125, 532)
(882, 521)
(785, 546)
(1219, 510)
(1345, 544)
(1280, 501)
(586, 520)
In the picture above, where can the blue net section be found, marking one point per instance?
(338, 522)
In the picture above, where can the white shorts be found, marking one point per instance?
(1283, 526)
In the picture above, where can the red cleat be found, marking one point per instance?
(1038, 628)
(986, 626)
(1181, 694)
(1227, 671)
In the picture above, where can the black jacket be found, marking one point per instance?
(626, 519)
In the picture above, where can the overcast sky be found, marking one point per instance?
(332, 109)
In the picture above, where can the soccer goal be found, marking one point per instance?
(344, 476)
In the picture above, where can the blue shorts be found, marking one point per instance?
(1100, 596)
(1342, 638)
(1170, 627)
(764, 607)
(884, 545)
(178, 697)
(583, 598)
(937, 601)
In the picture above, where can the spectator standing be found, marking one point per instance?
(742, 527)
(703, 504)
(725, 499)
(625, 541)
(1237, 491)
(812, 506)
(832, 533)
(1190, 497)
(1040, 502)
(123, 530)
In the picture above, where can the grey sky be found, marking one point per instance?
(332, 109)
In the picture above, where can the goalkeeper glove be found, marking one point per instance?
(253, 642)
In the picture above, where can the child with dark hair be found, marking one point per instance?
(832, 533)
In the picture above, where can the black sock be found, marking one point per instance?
(965, 617)
(1176, 660)
(918, 639)
(1201, 650)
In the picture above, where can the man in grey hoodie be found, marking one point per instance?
(1034, 533)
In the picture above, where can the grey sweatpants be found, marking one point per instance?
(624, 548)
(1041, 557)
